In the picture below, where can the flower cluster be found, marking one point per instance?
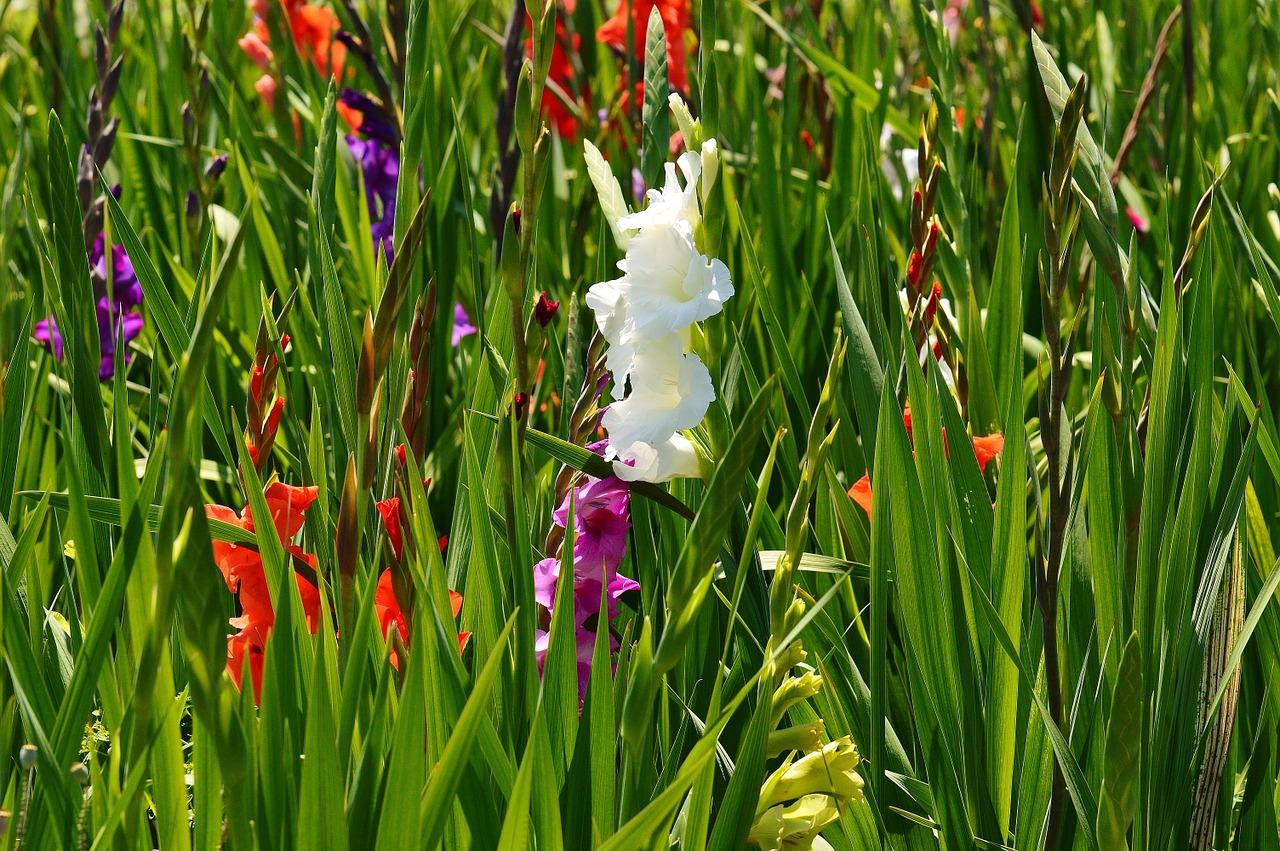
(601, 520)
(817, 784)
(985, 449)
(647, 315)
(241, 567)
(119, 295)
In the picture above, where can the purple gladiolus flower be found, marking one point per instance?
(380, 165)
(117, 315)
(462, 326)
(601, 520)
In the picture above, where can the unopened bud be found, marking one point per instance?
(27, 756)
(545, 310)
(215, 168)
(111, 82)
(366, 375)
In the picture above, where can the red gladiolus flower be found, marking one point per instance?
(986, 448)
(861, 493)
(389, 508)
(389, 612)
(241, 567)
(675, 20)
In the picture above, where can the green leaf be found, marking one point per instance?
(657, 132)
(1117, 800)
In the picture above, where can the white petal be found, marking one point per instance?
(671, 459)
(669, 284)
(670, 391)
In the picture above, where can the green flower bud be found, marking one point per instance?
(792, 691)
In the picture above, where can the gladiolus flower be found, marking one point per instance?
(861, 493)
(390, 510)
(389, 612)
(242, 570)
(117, 313)
(634, 15)
(670, 391)
(667, 284)
(601, 520)
(830, 771)
(314, 31)
(985, 449)
(462, 326)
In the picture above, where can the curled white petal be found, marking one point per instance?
(668, 284)
(674, 458)
(674, 202)
(670, 391)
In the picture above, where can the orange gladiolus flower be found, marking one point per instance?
(389, 612)
(985, 449)
(861, 493)
(241, 567)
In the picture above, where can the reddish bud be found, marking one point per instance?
(400, 454)
(913, 268)
(284, 342)
(807, 138)
(273, 418)
(255, 382)
(520, 401)
(390, 510)
(545, 310)
(931, 306)
(443, 543)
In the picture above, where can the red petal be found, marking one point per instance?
(861, 493)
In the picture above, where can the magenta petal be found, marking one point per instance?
(462, 326)
(545, 574)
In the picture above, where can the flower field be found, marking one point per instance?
(639, 424)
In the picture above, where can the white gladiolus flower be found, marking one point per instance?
(645, 462)
(670, 392)
(647, 315)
